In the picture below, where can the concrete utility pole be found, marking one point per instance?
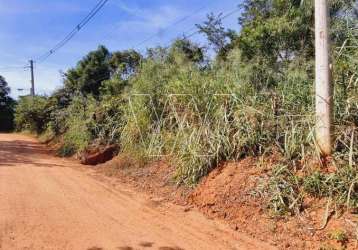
(324, 88)
(32, 91)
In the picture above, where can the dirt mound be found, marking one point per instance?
(230, 193)
(94, 156)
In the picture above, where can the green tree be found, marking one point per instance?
(281, 31)
(159, 54)
(90, 72)
(215, 32)
(32, 113)
(276, 30)
(191, 51)
(6, 106)
(123, 65)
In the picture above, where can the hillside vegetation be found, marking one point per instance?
(254, 98)
(7, 105)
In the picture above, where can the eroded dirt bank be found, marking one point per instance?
(233, 193)
(48, 202)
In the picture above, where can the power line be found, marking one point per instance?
(170, 25)
(193, 33)
(77, 28)
(9, 68)
(191, 30)
(91, 15)
(221, 18)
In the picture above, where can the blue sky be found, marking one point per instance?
(29, 28)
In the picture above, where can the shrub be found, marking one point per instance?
(79, 121)
(32, 113)
(342, 186)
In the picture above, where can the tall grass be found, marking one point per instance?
(197, 118)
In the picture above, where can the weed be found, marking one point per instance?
(283, 192)
(339, 235)
(342, 185)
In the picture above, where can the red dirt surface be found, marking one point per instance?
(51, 203)
(229, 194)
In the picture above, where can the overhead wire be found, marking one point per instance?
(221, 18)
(70, 35)
(13, 67)
(168, 26)
(105, 77)
(100, 4)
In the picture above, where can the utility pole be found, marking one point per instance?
(324, 88)
(32, 91)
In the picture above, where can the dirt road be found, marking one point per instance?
(48, 202)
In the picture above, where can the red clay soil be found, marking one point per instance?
(229, 193)
(95, 156)
(155, 178)
(51, 203)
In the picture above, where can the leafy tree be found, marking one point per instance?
(190, 50)
(6, 106)
(222, 40)
(159, 54)
(125, 63)
(89, 73)
(4, 89)
(276, 30)
(215, 32)
(32, 113)
(279, 31)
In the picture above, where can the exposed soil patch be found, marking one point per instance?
(230, 193)
(155, 178)
(98, 155)
(49, 202)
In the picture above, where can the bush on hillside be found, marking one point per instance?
(32, 114)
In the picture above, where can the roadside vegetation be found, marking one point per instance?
(7, 105)
(254, 98)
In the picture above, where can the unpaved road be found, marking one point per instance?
(48, 202)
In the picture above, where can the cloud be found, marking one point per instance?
(151, 16)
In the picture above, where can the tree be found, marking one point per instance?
(4, 89)
(125, 63)
(324, 90)
(32, 113)
(6, 106)
(215, 32)
(190, 50)
(277, 31)
(89, 73)
(281, 31)
(158, 54)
